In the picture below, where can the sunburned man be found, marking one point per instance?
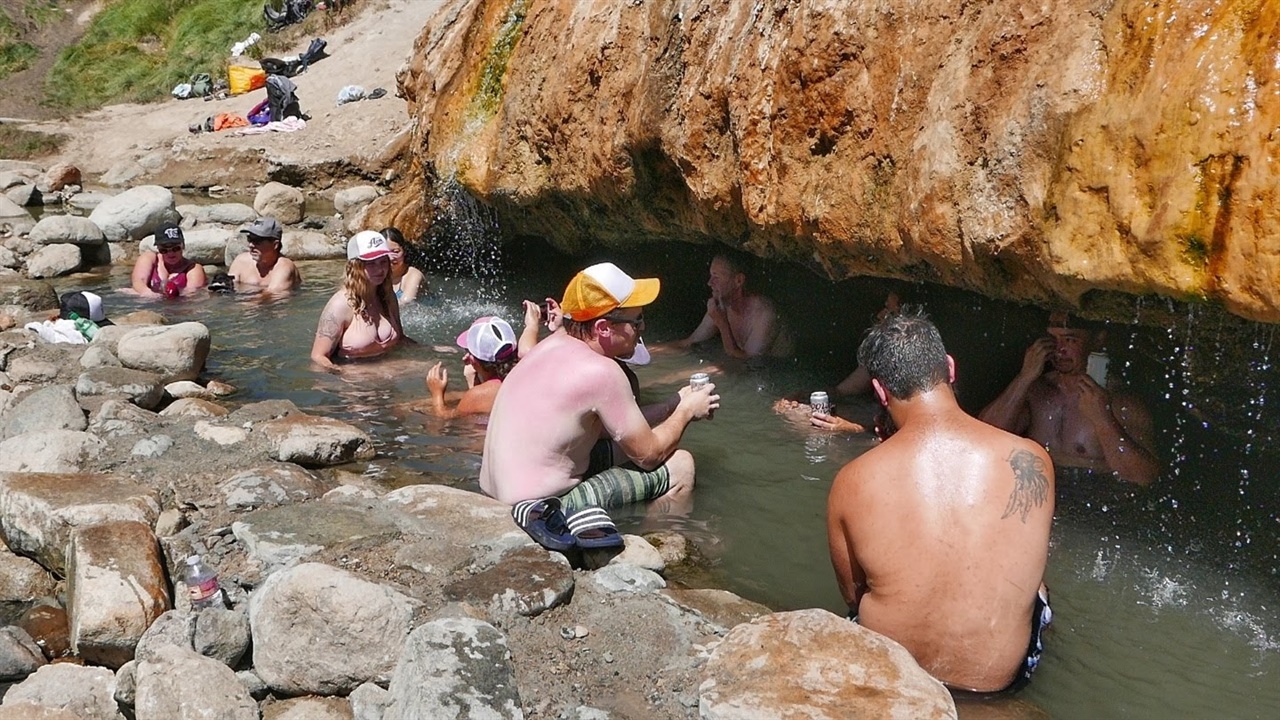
(1053, 401)
(747, 322)
(262, 267)
(544, 448)
(939, 535)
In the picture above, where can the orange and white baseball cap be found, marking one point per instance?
(602, 288)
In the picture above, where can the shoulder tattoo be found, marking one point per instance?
(330, 325)
(1030, 484)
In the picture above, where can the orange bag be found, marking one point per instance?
(243, 78)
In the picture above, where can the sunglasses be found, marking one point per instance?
(253, 240)
(168, 248)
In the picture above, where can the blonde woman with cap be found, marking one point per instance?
(541, 451)
(362, 319)
(165, 272)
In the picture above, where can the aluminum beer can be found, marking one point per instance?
(697, 380)
(819, 403)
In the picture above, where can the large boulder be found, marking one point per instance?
(354, 198)
(283, 202)
(219, 214)
(180, 684)
(73, 229)
(835, 668)
(86, 692)
(312, 245)
(14, 220)
(22, 582)
(454, 663)
(135, 213)
(50, 408)
(19, 654)
(115, 589)
(54, 261)
(313, 441)
(174, 352)
(144, 389)
(50, 451)
(320, 630)
(40, 511)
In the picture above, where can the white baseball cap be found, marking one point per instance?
(367, 245)
(489, 339)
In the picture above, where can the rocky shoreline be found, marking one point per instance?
(120, 458)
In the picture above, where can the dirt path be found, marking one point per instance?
(131, 143)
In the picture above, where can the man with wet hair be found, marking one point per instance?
(747, 322)
(1082, 423)
(544, 439)
(939, 535)
(262, 267)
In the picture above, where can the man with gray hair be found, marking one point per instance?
(939, 536)
(262, 267)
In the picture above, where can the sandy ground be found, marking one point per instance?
(152, 143)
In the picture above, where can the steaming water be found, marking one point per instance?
(1167, 602)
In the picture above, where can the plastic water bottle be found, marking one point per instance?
(202, 584)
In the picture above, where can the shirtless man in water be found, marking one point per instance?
(939, 535)
(545, 431)
(1081, 423)
(747, 323)
(262, 267)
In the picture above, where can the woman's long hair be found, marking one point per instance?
(355, 283)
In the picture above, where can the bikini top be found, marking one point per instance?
(156, 283)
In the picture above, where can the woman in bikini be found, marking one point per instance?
(165, 272)
(406, 279)
(362, 319)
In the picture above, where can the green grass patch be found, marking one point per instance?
(18, 144)
(137, 50)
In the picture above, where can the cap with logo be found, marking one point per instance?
(367, 245)
(603, 288)
(489, 339)
(168, 234)
(264, 227)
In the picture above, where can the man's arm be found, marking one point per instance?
(849, 574)
(625, 423)
(705, 331)
(1009, 411)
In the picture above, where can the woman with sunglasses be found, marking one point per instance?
(406, 279)
(362, 319)
(165, 272)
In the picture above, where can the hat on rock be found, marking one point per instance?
(602, 288)
(489, 339)
(84, 304)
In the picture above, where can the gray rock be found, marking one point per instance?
(127, 683)
(310, 708)
(144, 389)
(349, 630)
(815, 650)
(14, 220)
(175, 352)
(186, 389)
(284, 203)
(235, 214)
(96, 356)
(254, 684)
(174, 628)
(170, 522)
(152, 447)
(87, 200)
(19, 654)
(180, 684)
(135, 213)
(22, 582)
(237, 245)
(49, 408)
(223, 435)
(194, 407)
(270, 485)
(627, 578)
(50, 451)
(313, 441)
(25, 195)
(11, 179)
(33, 295)
(9, 259)
(73, 229)
(122, 173)
(368, 702)
(38, 511)
(454, 667)
(222, 634)
(115, 589)
(88, 692)
(117, 418)
(204, 245)
(281, 536)
(344, 201)
(310, 245)
(54, 261)
(527, 581)
(641, 553)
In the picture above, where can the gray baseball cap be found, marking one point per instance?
(266, 227)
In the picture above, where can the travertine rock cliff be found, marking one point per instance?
(1023, 149)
